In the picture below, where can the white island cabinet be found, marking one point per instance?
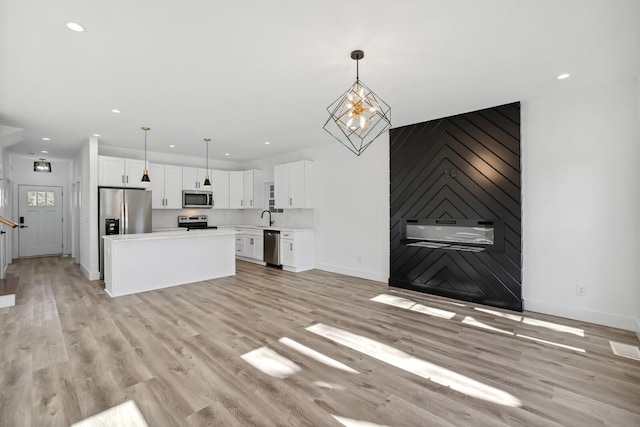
(143, 262)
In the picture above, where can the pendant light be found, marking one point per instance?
(358, 116)
(206, 177)
(145, 175)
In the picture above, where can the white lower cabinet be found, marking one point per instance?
(254, 247)
(296, 250)
(250, 244)
(239, 243)
(296, 247)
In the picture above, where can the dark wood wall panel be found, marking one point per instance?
(483, 148)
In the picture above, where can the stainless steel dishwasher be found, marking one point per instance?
(272, 247)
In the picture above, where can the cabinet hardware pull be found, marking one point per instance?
(127, 179)
(241, 202)
(291, 247)
(290, 201)
(123, 179)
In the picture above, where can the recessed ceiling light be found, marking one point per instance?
(96, 134)
(44, 138)
(563, 76)
(172, 146)
(75, 27)
(115, 111)
(267, 143)
(44, 152)
(226, 154)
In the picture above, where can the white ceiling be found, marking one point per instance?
(248, 71)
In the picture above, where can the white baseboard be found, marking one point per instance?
(362, 274)
(7, 300)
(583, 314)
(95, 275)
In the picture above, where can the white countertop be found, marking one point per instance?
(170, 235)
(264, 227)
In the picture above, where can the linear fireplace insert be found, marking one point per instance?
(468, 235)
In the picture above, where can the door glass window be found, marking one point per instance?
(40, 198)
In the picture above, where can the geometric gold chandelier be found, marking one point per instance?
(358, 116)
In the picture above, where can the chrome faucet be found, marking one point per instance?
(270, 220)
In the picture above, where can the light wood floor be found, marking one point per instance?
(68, 351)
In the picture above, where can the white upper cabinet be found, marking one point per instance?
(236, 189)
(220, 189)
(193, 179)
(281, 186)
(119, 172)
(166, 186)
(293, 185)
(172, 187)
(253, 188)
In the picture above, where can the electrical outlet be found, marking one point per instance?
(581, 290)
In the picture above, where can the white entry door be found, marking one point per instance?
(40, 220)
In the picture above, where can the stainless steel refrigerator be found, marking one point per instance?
(122, 211)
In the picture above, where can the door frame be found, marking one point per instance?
(61, 187)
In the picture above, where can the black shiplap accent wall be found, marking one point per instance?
(483, 150)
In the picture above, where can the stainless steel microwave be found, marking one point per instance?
(197, 199)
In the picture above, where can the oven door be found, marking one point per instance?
(197, 199)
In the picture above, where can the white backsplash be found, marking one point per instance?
(168, 218)
(290, 218)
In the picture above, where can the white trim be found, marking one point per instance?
(89, 275)
(253, 260)
(7, 300)
(583, 314)
(363, 274)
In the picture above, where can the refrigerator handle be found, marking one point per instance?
(126, 218)
(123, 213)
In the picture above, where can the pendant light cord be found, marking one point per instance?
(145, 149)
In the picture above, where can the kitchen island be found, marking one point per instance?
(143, 262)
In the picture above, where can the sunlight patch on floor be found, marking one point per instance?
(534, 322)
(329, 386)
(496, 313)
(316, 355)
(422, 368)
(468, 320)
(350, 422)
(125, 414)
(568, 347)
(271, 363)
(554, 326)
(407, 304)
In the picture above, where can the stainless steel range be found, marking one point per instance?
(197, 222)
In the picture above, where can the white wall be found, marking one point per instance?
(168, 218)
(581, 209)
(637, 82)
(5, 205)
(86, 170)
(169, 159)
(22, 174)
(351, 207)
